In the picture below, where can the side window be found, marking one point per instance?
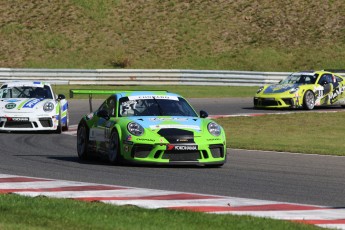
(103, 106)
(48, 92)
(338, 79)
(109, 106)
(325, 79)
(329, 78)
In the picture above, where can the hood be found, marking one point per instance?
(280, 88)
(156, 123)
(21, 104)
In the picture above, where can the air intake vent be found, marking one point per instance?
(177, 135)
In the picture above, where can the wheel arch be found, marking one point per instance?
(303, 99)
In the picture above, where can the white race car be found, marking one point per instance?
(32, 106)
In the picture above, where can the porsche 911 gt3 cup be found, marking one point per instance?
(303, 90)
(32, 106)
(150, 127)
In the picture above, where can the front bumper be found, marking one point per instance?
(214, 154)
(274, 102)
(28, 123)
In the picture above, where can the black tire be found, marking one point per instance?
(83, 141)
(114, 150)
(59, 128)
(309, 100)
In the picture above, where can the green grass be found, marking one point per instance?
(228, 35)
(19, 212)
(316, 133)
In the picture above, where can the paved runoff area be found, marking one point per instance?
(330, 217)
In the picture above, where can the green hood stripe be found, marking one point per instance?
(23, 103)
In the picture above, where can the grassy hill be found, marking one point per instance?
(259, 35)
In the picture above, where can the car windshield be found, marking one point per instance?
(155, 106)
(299, 78)
(26, 92)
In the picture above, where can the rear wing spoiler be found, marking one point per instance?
(91, 92)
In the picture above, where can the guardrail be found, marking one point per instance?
(143, 76)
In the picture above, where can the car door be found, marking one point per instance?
(104, 121)
(325, 95)
(338, 89)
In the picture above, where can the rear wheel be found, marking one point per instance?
(114, 152)
(309, 100)
(83, 141)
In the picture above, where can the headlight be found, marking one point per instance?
(48, 107)
(135, 129)
(294, 90)
(214, 128)
(260, 89)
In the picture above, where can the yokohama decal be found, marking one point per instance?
(182, 147)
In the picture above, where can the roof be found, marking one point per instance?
(122, 93)
(25, 83)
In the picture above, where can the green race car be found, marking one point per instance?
(303, 90)
(149, 127)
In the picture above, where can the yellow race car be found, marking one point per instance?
(303, 90)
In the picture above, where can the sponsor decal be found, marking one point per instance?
(214, 139)
(20, 119)
(181, 140)
(157, 97)
(182, 147)
(145, 139)
(168, 119)
(336, 93)
(30, 104)
(12, 100)
(10, 106)
(128, 142)
(195, 127)
(279, 88)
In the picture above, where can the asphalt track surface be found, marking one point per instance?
(287, 177)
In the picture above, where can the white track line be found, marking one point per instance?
(151, 199)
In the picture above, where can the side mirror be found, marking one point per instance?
(104, 114)
(61, 96)
(203, 114)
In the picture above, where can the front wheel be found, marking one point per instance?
(83, 141)
(66, 125)
(114, 152)
(309, 100)
(59, 127)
